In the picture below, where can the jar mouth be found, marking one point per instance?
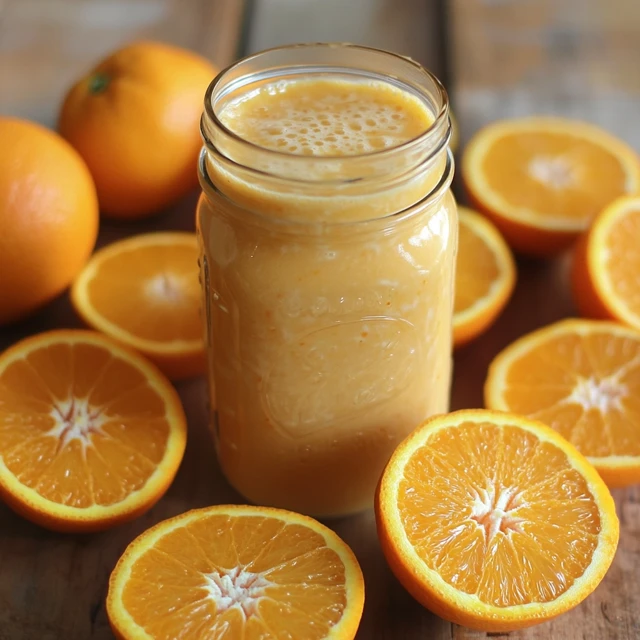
(211, 126)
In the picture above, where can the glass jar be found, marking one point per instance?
(328, 290)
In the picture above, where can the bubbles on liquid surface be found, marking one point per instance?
(327, 117)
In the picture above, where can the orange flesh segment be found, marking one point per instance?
(277, 559)
(554, 174)
(327, 117)
(622, 259)
(549, 513)
(44, 450)
(584, 386)
(476, 268)
(151, 291)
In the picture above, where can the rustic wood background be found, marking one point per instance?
(498, 58)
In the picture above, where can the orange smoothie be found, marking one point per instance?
(328, 270)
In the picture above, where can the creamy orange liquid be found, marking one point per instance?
(330, 344)
(328, 117)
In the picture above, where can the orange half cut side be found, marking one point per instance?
(91, 434)
(237, 572)
(485, 276)
(542, 180)
(581, 377)
(606, 265)
(144, 292)
(494, 521)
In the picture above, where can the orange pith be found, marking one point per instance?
(581, 377)
(542, 180)
(493, 521)
(606, 267)
(237, 572)
(485, 276)
(144, 292)
(90, 433)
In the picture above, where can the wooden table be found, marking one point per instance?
(497, 58)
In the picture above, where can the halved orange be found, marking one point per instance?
(606, 264)
(237, 572)
(581, 377)
(143, 291)
(485, 276)
(542, 180)
(91, 434)
(494, 521)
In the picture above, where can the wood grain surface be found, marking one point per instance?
(52, 587)
(576, 58)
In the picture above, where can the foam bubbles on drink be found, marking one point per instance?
(327, 117)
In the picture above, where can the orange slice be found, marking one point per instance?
(581, 377)
(485, 276)
(91, 435)
(494, 521)
(237, 572)
(542, 180)
(606, 265)
(144, 292)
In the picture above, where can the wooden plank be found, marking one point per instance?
(411, 28)
(576, 58)
(53, 586)
(408, 27)
(45, 45)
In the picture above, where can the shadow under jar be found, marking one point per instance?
(328, 236)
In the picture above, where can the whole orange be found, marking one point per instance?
(48, 216)
(135, 120)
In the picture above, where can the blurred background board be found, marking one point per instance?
(577, 58)
(404, 26)
(45, 45)
(498, 58)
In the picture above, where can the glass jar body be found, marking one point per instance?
(328, 341)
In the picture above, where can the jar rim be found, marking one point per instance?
(300, 226)
(439, 122)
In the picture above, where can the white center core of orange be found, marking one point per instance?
(237, 588)
(493, 510)
(552, 172)
(164, 286)
(75, 419)
(603, 395)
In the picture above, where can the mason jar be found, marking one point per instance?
(327, 282)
